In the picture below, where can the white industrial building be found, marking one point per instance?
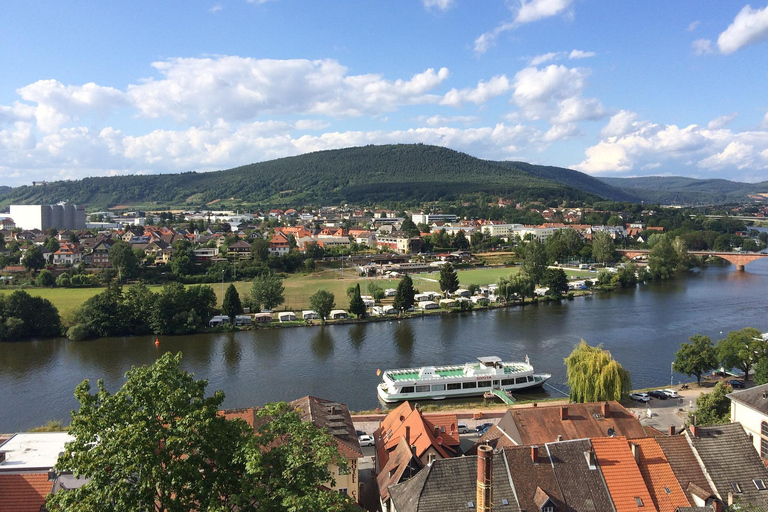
(45, 216)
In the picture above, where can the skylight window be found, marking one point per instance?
(760, 484)
(736, 487)
(639, 501)
(470, 504)
(668, 490)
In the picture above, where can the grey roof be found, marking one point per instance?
(583, 489)
(449, 485)
(729, 458)
(755, 398)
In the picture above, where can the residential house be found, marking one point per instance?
(98, 255)
(279, 244)
(398, 242)
(750, 408)
(689, 474)
(69, 254)
(239, 250)
(667, 493)
(622, 475)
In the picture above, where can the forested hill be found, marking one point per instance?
(4, 190)
(371, 174)
(679, 190)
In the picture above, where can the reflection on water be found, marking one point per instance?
(642, 327)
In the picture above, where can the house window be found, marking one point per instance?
(764, 440)
(548, 508)
(639, 501)
(343, 490)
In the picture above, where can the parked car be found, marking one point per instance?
(482, 431)
(735, 383)
(366, 440)
(657, 393)
(463, 428)
(671, 393)
(639, 397)
(360, 433)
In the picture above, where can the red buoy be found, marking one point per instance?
(157, 342)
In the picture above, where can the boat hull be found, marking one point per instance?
(387, 397)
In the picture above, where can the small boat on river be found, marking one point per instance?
(470, 379)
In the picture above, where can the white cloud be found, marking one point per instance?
(620, 124)
(443, 120)
(57, 104)
(534, 10)
(735, 154)
(561, 132)
(702, 47)
(487, 40)
(534, 86)
(236, 88)
(578, 54)
(750, 26)
(576, 108)
(442, 5)
(216, 8)
(541, 59)
(482, 93)
(722, 121)
(693, 25)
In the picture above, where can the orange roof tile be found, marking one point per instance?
(622, 476)
(659, 478)
(23, 492)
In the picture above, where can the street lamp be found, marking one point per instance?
(671, 372)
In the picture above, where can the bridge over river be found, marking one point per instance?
(740, 259)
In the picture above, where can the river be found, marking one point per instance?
(642, 327)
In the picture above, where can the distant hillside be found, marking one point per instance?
(408, 173)
(4, 190)
(576, 179)
(679, 190)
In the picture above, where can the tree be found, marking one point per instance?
(45, 278)
(23, 317)
(662, 259)
(322, 301)
(102, 315)
(409, 228)
(534, 259)
(602, 247)
(594, 376)
(449, 279)
(375, 290)
(268, 290)
(404, 296)
(33, 258)
(714, 408)
(123, 259)
(742, 349)
(695, 358)
(356, 304)
(51, 245)
(231, 305)
(158, 444)
(556, 280)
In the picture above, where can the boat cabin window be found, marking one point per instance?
(520, 380)
(530, 378)
(469, 385)
(484, 384)
(422, 389)
(406, 389)
(507, 382)
(455, 385)
(438, 387)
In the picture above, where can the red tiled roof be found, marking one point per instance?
(659, 477)
(622, 475)
(23, 493)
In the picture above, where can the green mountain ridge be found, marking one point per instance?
(689, 191)
(406, 173)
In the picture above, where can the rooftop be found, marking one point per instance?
(27, 451)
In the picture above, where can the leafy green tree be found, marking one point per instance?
(323, 302)
(663, 259)
(24, 317)
(714, 408)
(696, 358)
(602, 247)
(409, 228)
(534, 259)
(761, 371)
(2, 242)
(742, 349)
(123, 259)
(231, 305)
(563, 244)
(139, 302)
(460, 241)
(356, 304)
(556, 280)
(101, 316)
(158, 444)
(51, 245)
(375, 291)
(594, 376)
(33, 258)
(268, 290)
(449, 279)
(45, 278)
(404, 295)
(182, 261)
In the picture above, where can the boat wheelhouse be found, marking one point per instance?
(488, 374)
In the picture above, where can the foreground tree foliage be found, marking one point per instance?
(594, 376)
(696, 358)
(714, 408)
(742, 349)
(159, 444)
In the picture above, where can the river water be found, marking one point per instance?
(642, 327)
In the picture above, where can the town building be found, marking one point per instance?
(46, 216)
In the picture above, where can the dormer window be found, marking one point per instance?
(736, 487)
(760, 484)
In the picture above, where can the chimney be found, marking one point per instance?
(694, 431)
(563, 413)
(408, 435)
(413, 449)
(717, 505)
(635, 451)
(605, 410)
(430, 459)
(730, 499)
(484, 478)
(671, 430)
(535, 454)
(437, 431)
(559, 437)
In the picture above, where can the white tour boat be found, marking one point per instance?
(471, 379)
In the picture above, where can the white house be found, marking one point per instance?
(750, 408)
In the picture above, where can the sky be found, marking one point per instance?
(610, 88)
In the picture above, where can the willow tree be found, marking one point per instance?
(594, 376)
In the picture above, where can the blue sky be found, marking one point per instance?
(609, 88)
